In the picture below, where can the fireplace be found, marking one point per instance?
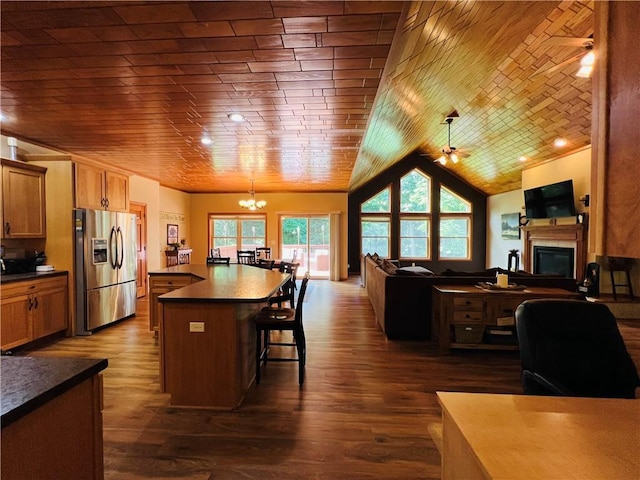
(560, 237)
(553, 261)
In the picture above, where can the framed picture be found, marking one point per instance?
(510, 226)
(172, 234)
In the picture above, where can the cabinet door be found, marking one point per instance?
(117, 192)
(15, 321)
(89, 187)
(23, 203)
(49, 312)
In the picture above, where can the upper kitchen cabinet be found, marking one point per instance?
(23, 200)
(100, 189)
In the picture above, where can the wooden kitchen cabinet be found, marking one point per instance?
(23, 200)
(159, 285)
(100, 189)
(33, 309)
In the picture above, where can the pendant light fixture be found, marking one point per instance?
(251, 204)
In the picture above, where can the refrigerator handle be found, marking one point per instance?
(121, 245)
(113, 240)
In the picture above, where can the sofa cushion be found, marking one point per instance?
(388, 267)
(417, 270)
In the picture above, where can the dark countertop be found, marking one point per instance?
(18, 277)
(29, 382)
(224, 283)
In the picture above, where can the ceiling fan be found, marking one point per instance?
(586, 56)
(450, 152)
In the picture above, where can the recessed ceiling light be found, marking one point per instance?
(206, 139)
(560, 142)
(522, 158)
(236, 117)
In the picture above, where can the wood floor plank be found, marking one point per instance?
(363, 413)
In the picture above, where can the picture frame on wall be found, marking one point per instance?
(172, 234)
(510, 226)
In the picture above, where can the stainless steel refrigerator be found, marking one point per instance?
(105, 268)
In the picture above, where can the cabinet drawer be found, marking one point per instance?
(170, 281)
(471, 316)
(33, 286)
(467, 304)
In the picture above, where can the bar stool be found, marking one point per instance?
(620, 264)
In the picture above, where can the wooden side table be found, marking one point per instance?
(178, 257)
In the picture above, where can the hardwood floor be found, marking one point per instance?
(363, 412)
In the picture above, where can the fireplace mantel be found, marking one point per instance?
(574, 236)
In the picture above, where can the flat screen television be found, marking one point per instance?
(550, 201)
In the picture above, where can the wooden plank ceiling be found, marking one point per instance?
(332, 92)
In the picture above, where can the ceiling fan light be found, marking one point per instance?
(588, 59)
(442, 160)
(584, 72)
(454, 158)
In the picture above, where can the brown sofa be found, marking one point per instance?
(402, 298)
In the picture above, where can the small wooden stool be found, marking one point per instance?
(620, 264)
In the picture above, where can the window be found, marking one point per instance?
(415, 193)
(231, 233)
(415, 207)
(414, 238)
(455, 226)
(380, 202)
(375, 236)
(375, 227)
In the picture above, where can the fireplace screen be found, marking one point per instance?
(553, 261)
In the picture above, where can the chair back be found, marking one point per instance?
(246, 257)
(263, 252)
(218, 260)
(265, 263)
(287, 293)
(214, 253)
(573, 348)
(300, 301)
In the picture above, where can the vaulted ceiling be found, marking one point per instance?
(332, 92)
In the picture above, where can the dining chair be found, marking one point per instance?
(270, 319)
(573, 348)
(218, 260)
(287, 292)
(246, 257)
(263, 252)
(265, 263)
(214, 253)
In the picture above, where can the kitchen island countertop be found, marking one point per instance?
(29, 382)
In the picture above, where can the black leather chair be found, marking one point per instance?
(573, 348)
(270, 319)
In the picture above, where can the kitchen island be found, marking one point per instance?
(207, 336)
(51, 417)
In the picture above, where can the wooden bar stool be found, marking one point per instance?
(620, 264)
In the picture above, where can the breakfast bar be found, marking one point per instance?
(207, 337)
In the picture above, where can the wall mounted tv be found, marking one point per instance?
(550, 201)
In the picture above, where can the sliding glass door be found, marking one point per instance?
(307, 240)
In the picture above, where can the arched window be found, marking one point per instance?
(375, 223)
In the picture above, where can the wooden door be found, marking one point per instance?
(140, 210)
(50, 311)
(16, 321)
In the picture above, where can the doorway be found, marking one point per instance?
(140, 211)
(307, 239)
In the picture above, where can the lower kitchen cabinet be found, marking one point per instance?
(32, 309)
(159, 284)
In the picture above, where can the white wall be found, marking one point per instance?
(575, 166)
(497, 247)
